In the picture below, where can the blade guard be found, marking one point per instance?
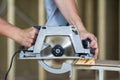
(66, 67)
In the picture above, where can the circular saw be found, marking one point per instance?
(56, 48)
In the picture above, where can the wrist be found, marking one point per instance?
(78, 23)
(80, 26)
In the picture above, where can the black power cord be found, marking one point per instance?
(12, 59)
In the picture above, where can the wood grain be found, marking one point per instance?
(114, 63)
(84, 61)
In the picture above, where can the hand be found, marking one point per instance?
(84, 35)
(27, 37)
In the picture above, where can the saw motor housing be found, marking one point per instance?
(58, 44)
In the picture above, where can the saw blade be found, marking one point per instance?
(65, 43)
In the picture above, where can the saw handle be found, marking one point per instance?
(22, 48)
(86, 45)
(37, 27)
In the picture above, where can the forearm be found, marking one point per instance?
(24, 37)
(9, 30)
(70, 12)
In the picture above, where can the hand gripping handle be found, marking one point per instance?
(86, 45)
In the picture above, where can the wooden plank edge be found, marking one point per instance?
(85, 61)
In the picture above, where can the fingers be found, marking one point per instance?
(30, 36)
(33, 35)
(93, 44)
(33, 32)
(96, 53)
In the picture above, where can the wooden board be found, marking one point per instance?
(114, 63)
(84, 61)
